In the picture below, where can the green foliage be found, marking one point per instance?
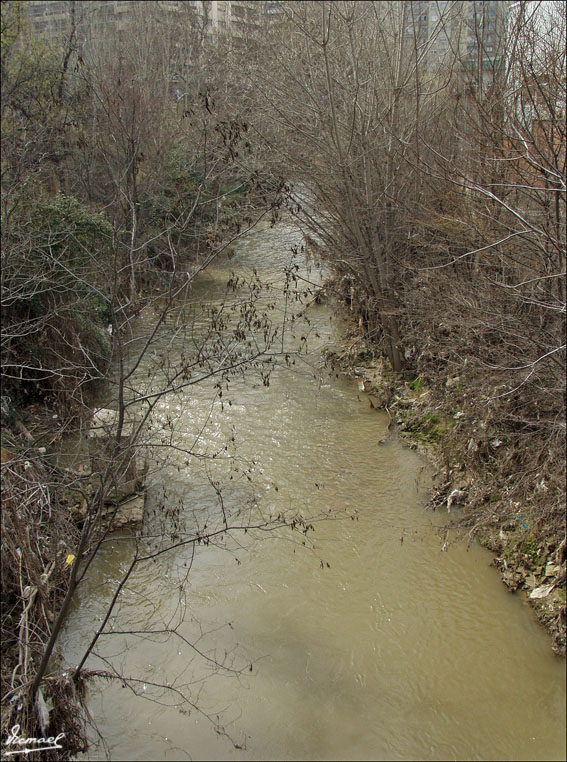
(56, 303)
(101, 308)
(64, 211)
(13, 22)
(429, 429)
(523, 541)
(69, 229)
(30, 68)
(434, 428)
(178, 187)
(182, 186)
(416, 384)
(59, 242)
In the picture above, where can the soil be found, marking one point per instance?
(539, 571)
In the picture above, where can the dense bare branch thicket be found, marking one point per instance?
(434, 182)
(340, 109)
(490, 263)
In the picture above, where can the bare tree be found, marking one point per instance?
(348, 108)
(174, 181)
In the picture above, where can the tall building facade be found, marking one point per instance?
(471, 32)
(483, 39)
(236, 18)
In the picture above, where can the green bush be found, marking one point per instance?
(56, 304)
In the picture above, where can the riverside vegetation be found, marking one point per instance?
(436, 194)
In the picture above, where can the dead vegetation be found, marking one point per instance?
(38, 533)
(499, 447)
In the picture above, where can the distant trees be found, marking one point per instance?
(120, 156)
(433, 178)
(494, 249)
(341, 94)
(391, 140)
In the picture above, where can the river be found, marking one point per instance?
(366, 642)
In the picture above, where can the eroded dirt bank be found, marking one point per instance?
(471, 457)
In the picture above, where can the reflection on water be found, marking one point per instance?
(367, 642)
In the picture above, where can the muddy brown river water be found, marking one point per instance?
(369, 642)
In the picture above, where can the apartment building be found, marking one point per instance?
(471, 31)
(236, 18)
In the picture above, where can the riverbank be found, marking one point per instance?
(434, 417)
(45, 507)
